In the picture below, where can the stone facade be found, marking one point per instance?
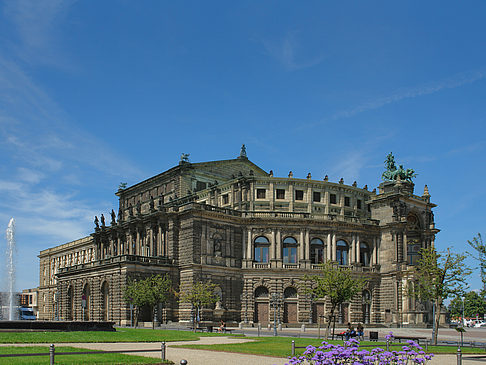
(252, 234)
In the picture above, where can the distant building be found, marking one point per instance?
(28, 299)
(251, 233)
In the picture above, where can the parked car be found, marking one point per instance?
(480, 324)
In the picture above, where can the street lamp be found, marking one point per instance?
(275, 302)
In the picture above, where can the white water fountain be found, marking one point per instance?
(10, 271)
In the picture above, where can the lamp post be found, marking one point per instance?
(275, 302)
(463, 321)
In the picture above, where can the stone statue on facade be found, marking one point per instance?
(102, 220)
(113, 217)
(97, 222)
(243, 151)
(152, 203)
(185, 157)
(393, 173)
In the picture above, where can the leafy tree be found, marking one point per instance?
(150, 291)
(474, 305)
(480, 247)
(337, 284)
(437, 277)
(200, 295)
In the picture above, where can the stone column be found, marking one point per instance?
(249, 242)
(358, 249)
(272, 245)
(307, 245)
(301, 246)
(333, 247)
(244, 244)
(329, 247)
(352, 250)
(279, 244)
(326, 201)
(405, 248)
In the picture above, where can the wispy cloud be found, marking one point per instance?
(457, 80)
(288, 52)
(37, 23)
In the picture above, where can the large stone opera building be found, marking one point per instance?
(253, 234)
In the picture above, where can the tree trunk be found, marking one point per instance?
(153, 317)
(438, 308)
(331, 316)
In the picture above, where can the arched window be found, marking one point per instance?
(317, 251)
(290, 250)
(261, 249)
(261, 292)
(342, 249)
(290, 293)
(364, 254)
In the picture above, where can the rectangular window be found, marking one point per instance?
(358, 204)
(347, 201)
(200, 185)
(332, 199)
(261, 193)
(280, 194)
(316, 196)
(225, 199)
(299, 195)
(261, 253)
(290, 255)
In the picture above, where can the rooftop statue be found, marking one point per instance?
(243, 151)
(393, 173)
(185, 157)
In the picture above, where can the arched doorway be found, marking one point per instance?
(261, 305)
(366, 306)
(85, 299)
(290, 305)
(105, 301)
(70, 304)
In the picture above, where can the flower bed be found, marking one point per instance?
(350, 353)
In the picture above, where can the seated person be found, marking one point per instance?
(350, 332)
(360, 331)
(222, 326)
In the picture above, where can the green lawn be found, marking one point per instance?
(120, 335)
(281, 346)
(70, 359)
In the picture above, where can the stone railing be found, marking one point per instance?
(117, 259)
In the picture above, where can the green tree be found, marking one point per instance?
(474, 305)
(200, 295)
(151, 291)
(437, 277)
(480, 247)
(338, 284)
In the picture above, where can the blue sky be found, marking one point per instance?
(94, 93)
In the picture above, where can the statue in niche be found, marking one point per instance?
(152, 203)
(161, 201)
(113, 217)
(96, 222)
(219, 294)
(130, 210)
(139, 208)
(217, 246)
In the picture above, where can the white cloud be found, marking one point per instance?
(36, 23)
(287, 52)
(457, 80)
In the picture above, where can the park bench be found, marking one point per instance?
(413, 338)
